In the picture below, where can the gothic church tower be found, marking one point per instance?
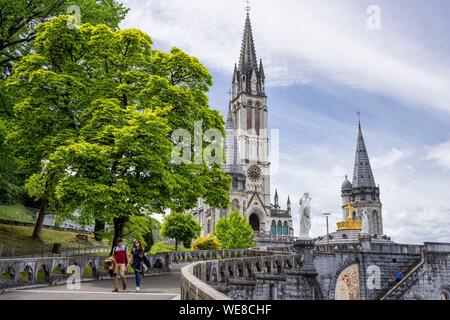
(248, 108)
(363, 193)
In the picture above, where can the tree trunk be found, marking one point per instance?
(119, 224)
(176, 245)
(99, 227)
(40, 220)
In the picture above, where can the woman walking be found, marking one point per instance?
(138, 257)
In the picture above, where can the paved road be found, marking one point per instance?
(160, 287)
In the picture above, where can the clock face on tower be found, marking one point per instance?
(254, 174)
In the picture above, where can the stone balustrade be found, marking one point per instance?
(54, 270)
(208, 280)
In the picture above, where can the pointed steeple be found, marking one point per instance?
(362, 174)
(261, 70)
(247, 60)
(277, 205)
(249, 75)
(289, 203)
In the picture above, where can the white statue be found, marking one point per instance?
(305, 216)
(365, 221)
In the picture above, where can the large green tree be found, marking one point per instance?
(18, 22)
(19, 19)
(235, 232)
(182, 227)
(98, 110)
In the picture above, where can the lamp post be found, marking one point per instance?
(326, 215)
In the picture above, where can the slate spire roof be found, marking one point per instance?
(248, 59)
(362, 174)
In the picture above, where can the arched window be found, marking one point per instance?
(280, 228)
(235, 205)
(375, 222)
(285, 229)
(254, 222)
(274, 228)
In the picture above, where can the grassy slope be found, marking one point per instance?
(21, 235)
(160, 246)
(17, 212)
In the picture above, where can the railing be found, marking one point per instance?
(274, 238)
(400, 288)
(199, 279)
(55, 270)
(42, 251)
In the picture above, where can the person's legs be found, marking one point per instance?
(122, 270)
(137, 275)
(116, 276)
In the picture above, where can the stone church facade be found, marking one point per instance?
(247, 152)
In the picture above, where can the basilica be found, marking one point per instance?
(247, 152)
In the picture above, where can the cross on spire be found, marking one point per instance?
(248, 8)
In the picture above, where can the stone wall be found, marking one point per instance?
(433, 280)
(383, 259)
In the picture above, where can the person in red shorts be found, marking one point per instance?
(120, 256)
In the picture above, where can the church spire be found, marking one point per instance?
(249, 75)
(248, 59)
(362, 174)
(277, 204)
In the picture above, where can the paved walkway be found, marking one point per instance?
(159, 287)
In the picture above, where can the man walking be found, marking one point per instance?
(120, 256)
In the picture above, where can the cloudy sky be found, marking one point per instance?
(323, 63)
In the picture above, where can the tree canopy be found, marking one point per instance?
(93, 125)
(235, 232)
(182, 227)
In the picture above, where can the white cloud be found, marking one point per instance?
(440, 155)
(322, 41)
(389, 159)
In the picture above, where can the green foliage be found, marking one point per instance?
(182, 227)
(235, 232)
(141, 228)
(206, 243)
(19, 18)
(9, 191)
(93, 126)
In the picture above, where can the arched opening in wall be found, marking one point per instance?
(158, 264)
(280, 228)
(26, 275)
(274, 228)
(348, 284)
(254, 222)
(8, 275)
(445, 296)
(89, 270)
(354, 215)
(59, 270)
(43, 274)
(285, 229)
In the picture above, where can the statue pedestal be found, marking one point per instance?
(305, 247)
